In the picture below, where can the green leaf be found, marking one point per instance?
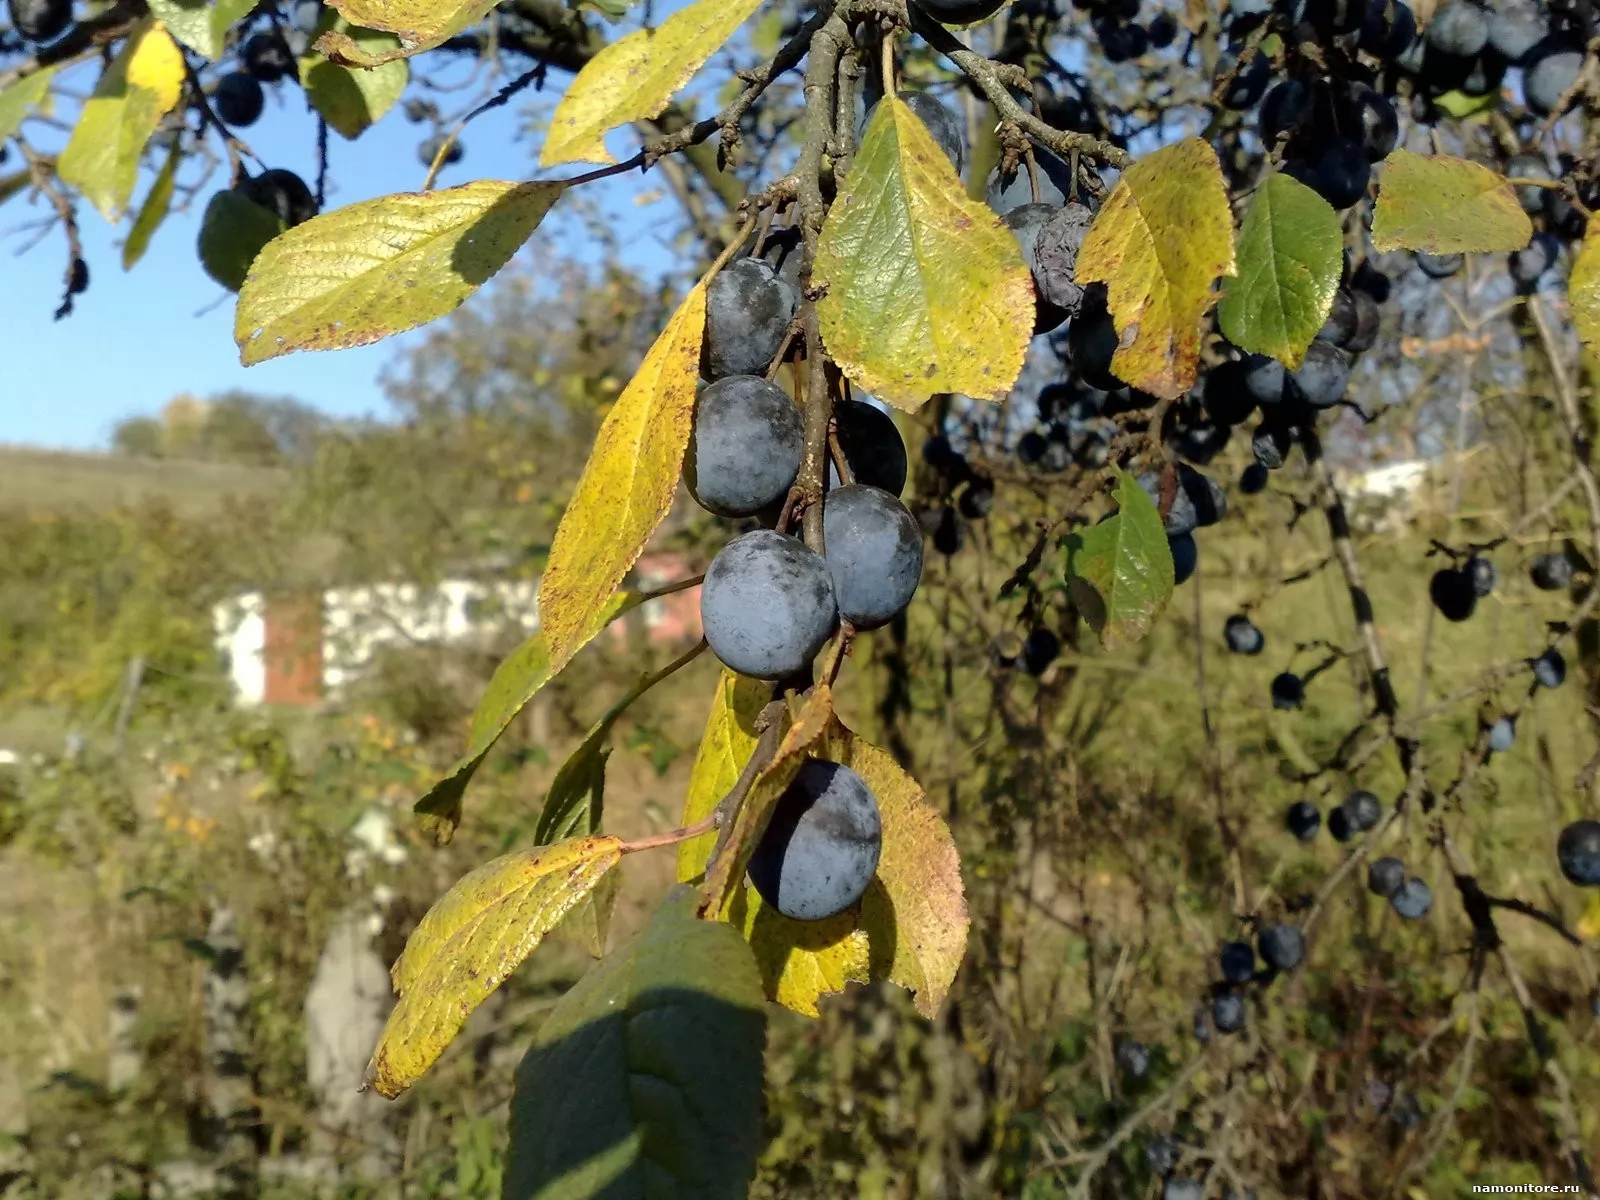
(13, 183)
(634, 77)
(1291, 252)
(578, 790)
(515, 682)
(18, 100)
(646, 1079)
(141, 85)
(1119, 572)
(926, 290)
(154, 210)
(361, 273)
(1159, 242)
(470, 941)
(576, 794)
(351, 100)
(1443, 205)
(233, 232)
(198, 25)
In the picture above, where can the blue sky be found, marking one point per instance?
(139, 338)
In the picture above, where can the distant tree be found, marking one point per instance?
(237, 427)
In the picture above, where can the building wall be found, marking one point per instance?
(295, 650)
(241, 637)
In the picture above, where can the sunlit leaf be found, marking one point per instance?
(469, 942)
(1462, 105)
(915, 912)
(634, 77)
(1583, 289)
(1119, 572)
(141, 85)
(364, 272)
(802, 961)
(627, 485)
(926, 290)
(1291, 253)
(725, 746)
(417, 25)
(646, 1078)
(1159, 242)
(1443, 205)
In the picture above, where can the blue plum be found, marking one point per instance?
(767, 605)
(1578, 850)
(820, 849)
(1282, 946)
(873, 548)
(745, 446)
(748, 310)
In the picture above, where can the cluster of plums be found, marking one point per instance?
(1361, 811)
(769, 602)
(1456, 590)
(265, 57)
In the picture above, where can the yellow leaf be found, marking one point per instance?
(627, 484)
(1443, 205)
(725, 875)
(911, 926)
(1588, 926)
(915, 913)
(156, 66)
(141, 85)
(419, 24)
(729, 739)
(633, 78)
(802, 961)
(1583, 289)
(926, 290)
(363, 272)
(1159, 242)
(477, 934)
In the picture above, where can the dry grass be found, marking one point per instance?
(47, 481)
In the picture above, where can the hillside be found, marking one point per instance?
(57, 480)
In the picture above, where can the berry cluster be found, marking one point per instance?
(770, 602)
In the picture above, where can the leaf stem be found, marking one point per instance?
(672, 837)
